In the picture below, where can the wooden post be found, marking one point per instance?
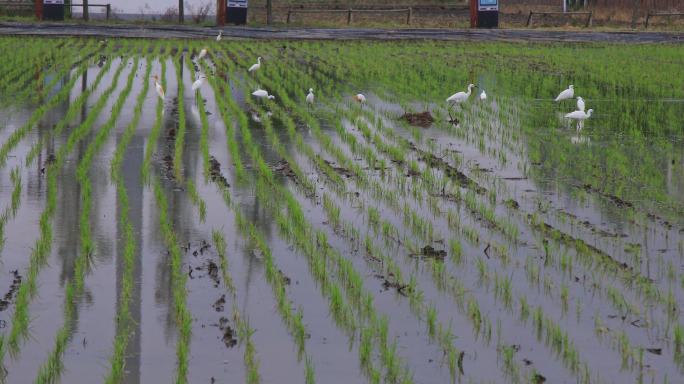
(85, 10)
(591, 17)
(635, 12)
(269, 12)
(38, 6)
(349, 17)
(648, 16)
(289, 14)
(109, 11)
(409, 16)
(473, 13)
(221, 13)
(529, 19)
(181, 12)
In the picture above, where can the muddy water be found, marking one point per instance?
(621, 195)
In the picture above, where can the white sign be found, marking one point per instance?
(488, 5)
(237, 3)
(53, 2)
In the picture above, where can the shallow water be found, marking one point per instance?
(571, 241)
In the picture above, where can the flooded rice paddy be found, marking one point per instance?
(212, 237)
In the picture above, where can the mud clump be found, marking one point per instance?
(9, 296)
(228, 333)
(340, 170)
(387, 285)
(429, 252)
(418, 119)
(213, 270)
(283, 168)
(220, 304)
(215, 172)
(283, 277)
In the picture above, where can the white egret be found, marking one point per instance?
(580, 103)
(566, 94)
(310, 97)
(359, 98)
(580, 116)
(218, 38)
(160, 89)
(483, 95)
(202, 53)
(255, 66)
(261, 94)
(198, 83)
(460, 97)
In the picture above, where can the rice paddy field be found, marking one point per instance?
(213, 237)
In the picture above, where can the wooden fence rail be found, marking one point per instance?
(589, 19)
(351, 11)
(648, 17)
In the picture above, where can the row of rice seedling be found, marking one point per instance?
(156, 128)
(28, 288)
(11, 210)
(180, 132)
(182, 315)
(124, 320)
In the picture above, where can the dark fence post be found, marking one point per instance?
(349, 17)
(591, 18)
(529, 19)
(408, 17)
(289, 13)
(635, 12)
(109, 11)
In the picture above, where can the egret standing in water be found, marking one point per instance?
(566, 94)
(459, 97)
(261, 94)
(580, 103)
(202, 53)
(310, 97)
(255, 66)
(483, 95)
(218, 38)
(359, 98)
(160, 89)
(198, 83)
(580, 116)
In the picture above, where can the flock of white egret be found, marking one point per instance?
(457, 98)
(580, 115)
